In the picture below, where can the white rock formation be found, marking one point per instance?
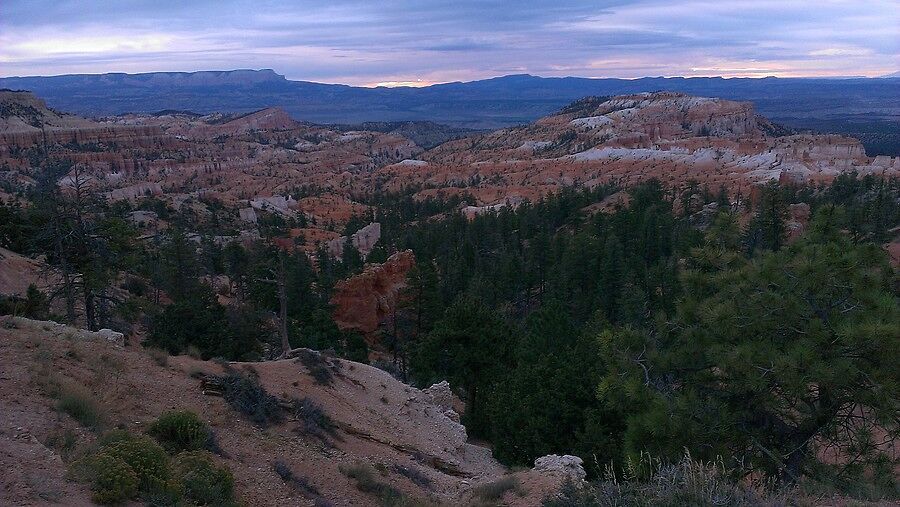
(135, 191)
(567, 465)
(275, 204)
(412, 162)
(591, 122)
(112, 336)
(443, 397)
(363, 240)
(143, 218)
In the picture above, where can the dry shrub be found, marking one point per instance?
(248, 397)
(302, 484)
(686, 482)
(494, 491)
(159, 356)
(315, 422)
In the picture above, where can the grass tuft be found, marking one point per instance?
(494, 491)
(81, 406)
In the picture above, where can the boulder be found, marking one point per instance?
(566, 465)
(111, 336)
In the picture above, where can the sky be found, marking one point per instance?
(406, 42)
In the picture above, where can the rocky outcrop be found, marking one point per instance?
(271, 118)
(248, 215)
(111, 336)
(361, 302)
(442, 396)
(568, 466)
(362, 240)
(626, 140)
(274, 204)
(797, 220)
(135, 191)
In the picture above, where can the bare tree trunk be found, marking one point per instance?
(90, 314)
(67, 280)
(103, 309)
(282, 302)
(281, 287)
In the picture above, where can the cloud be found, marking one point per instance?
(365, 42)
(841, 52)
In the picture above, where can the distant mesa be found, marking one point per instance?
(868, 109)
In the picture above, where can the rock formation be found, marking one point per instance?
(361, 302)
(443, 397)
(798, 219)
(362, 240)
(251, 162)
(668, 136)
(570, 467)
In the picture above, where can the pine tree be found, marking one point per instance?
(767, 231)
(766, 361)
(467, 347)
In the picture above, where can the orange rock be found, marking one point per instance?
(362, 301)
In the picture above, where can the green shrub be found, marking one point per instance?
(124, 465)
(112, 480)
(146, 458)
(180, 431)
(119, 457)
(114, 436)
(64, 441)
(82, 407)
(201, 481)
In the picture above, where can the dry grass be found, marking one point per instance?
(159, 356)
(650, 483)
(495, 491)
(82, 406)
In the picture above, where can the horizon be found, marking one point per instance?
(425, 85)
(401, 42)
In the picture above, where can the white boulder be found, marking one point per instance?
(567, 465)
(112, 336)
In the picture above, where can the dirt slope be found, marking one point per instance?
(381, 423)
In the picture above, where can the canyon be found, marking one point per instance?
(318, 192)
(267, 163)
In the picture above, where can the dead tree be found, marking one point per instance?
(278, 280)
